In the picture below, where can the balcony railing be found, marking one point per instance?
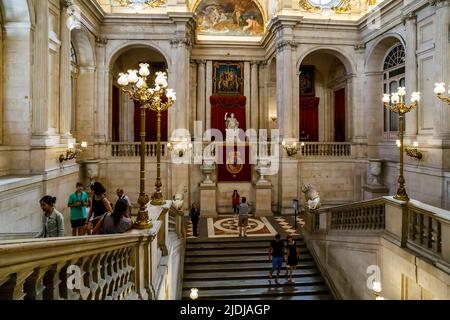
(366, 215)
(133, 149)
(326, 149)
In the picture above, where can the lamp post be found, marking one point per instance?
(149, 98)
(395, 103)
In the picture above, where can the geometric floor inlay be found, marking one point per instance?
(287, 226)
(227, 227)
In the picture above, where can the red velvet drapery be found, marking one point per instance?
(220, 105)
(239, 155)
(115, 134)
(150, 124)
(339, 115)
(309, 118)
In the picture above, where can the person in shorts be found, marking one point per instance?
(243, 217)
(77, 204)
(276, 251)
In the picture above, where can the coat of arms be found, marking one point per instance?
(234, 163)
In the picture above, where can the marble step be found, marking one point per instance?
(211, 284)
(237, 239)
(299, 297)
(235, 252)
(192, 276)
(236, 259)
(211, 267)
(262, 293)
(232, 245)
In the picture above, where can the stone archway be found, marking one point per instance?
(325, 95)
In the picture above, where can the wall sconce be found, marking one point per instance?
(273, 117)
(180, 148)
(72, 152)
(194, 294)
(291, 149)
(376, 288)
(414, 152)
(439, 90)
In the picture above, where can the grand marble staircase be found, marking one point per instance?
(237, 268)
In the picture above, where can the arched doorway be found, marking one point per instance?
(323, 95)
(125, 113)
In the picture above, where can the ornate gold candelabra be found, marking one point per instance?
(395, 103)
(72, 152)
(156, 99)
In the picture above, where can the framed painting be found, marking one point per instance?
(228, 78)
(307, 81)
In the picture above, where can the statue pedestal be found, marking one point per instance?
(374, 187)
(263, 198)
(208, 199)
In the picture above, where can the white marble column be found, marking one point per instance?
(201, 93)
(208, 94)
(373, 114)
(103, 94)
(247, 93)
(354, 94)
(442, 67)
(285, 74)
(411, 72)
(263, 97)
(65, 86)
(254, 91)
(40, 105)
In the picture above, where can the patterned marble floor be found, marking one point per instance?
(227, 226)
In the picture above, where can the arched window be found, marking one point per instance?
(393, 77)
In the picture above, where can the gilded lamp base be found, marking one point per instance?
(157, 199)
(142, 220)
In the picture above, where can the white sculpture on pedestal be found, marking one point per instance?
(231, 126)
(375, 166)
(312, 197)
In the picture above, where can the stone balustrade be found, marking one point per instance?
(429, 230)
(366, 215)
(326, 149)
(101, 267)
(133, 149)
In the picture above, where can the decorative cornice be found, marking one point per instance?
(67, 3)
(285, 43)
(359, 46)
(440, 3)
(101, 40)
(181, 41)
(199, 61)
(408, 16)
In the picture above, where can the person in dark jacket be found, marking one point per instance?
(195, 217)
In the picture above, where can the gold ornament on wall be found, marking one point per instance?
(305, 5)
(147, 3)
(343, 7)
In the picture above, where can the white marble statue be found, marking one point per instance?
(178, 201)
(231, 126)
(312, 197)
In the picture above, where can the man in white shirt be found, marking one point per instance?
(122, 196)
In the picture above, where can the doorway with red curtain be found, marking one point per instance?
(309, 118)
(150, 124)
(339, 115)
(220, 105)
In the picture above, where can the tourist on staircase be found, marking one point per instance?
(122, 196)
(77, 203)
(99, 206)
(243, 217)
(235, 201)
(292, 257)
(52, 220)
(195, 217)
(276, 256)
(116, 221)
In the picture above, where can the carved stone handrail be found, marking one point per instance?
(102, 267)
